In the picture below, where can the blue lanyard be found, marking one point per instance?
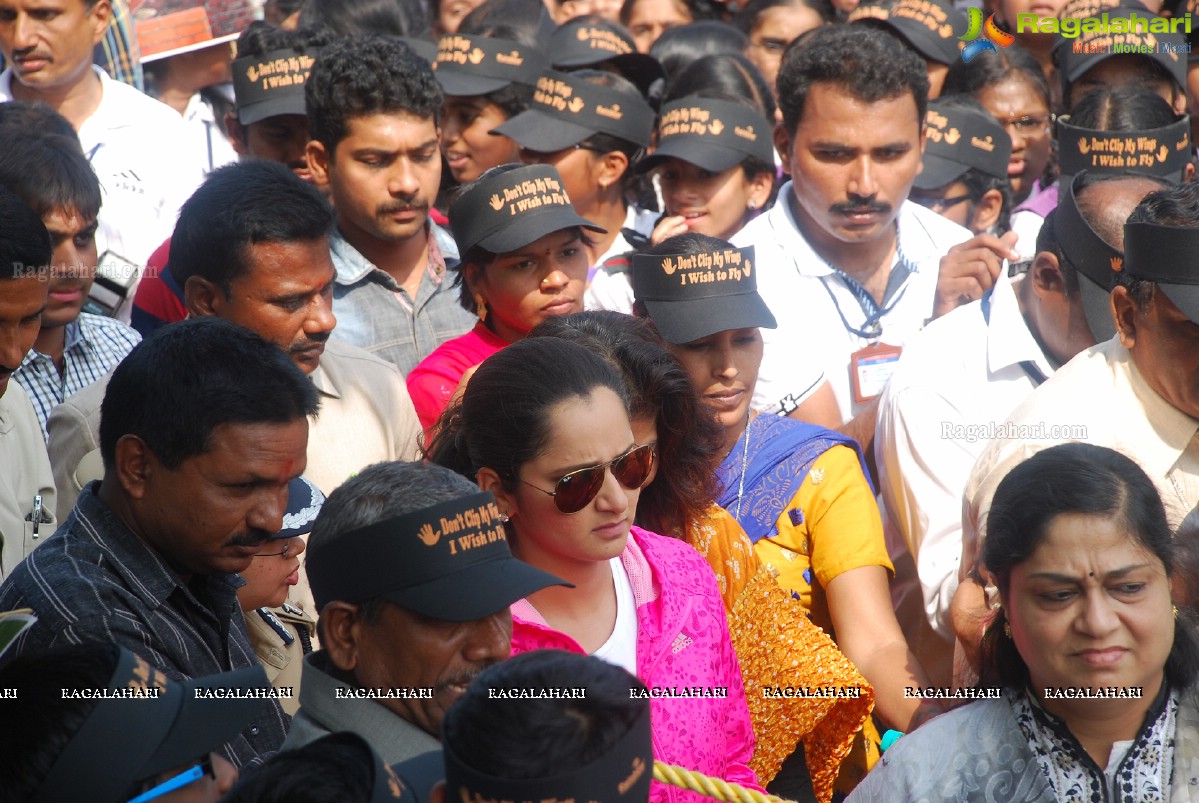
(871, 328)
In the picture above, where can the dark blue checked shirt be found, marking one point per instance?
(94, 580)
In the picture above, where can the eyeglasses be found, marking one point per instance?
(938, 205)
(290, 545)
(575, 490)
(179, 781)
(1028, 123)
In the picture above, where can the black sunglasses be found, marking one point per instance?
(575, 490)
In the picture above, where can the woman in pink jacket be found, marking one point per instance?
(544, 426)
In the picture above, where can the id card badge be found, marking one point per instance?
(871, 367)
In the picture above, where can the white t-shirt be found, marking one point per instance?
(135, 145)
(621, 647)
(612, 290)
(815, 307)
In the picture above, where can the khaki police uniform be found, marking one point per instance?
(281, 638)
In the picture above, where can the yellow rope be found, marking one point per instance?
(712, 787)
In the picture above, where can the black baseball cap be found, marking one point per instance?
(128, 739)
(506, 210)
(621, 775)
(1074, 56)
(689, 296)
(466, 66)
(304, 502)
(713, 134)
(1163, 152)
(567, 110)
(931, 27)
(591, 40)
(1094, 260)
(272, 84)
(1165, 255)
(958, 140)
(450, 561)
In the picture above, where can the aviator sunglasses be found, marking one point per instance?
(575, 490)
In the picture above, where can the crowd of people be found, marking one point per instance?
(504, 400)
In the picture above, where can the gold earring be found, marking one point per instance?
(1175, 611)
(480, 307)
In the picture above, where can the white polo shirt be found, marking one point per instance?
(816, 309)
(955, 383)
(136, 147)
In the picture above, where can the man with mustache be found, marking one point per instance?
(127, 136)
(849, 267)
(204, 426)
(74, 348)
(251, 247)
(374, 110)
(410, 565)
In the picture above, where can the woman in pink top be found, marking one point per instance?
(544, 426)
(524, 258)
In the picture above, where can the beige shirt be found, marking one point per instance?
(1099, 397)
(366, 417)
(24, 475)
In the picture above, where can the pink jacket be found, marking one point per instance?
(682, 641)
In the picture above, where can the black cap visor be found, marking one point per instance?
(686, 320)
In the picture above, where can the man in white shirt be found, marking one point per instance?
(1137, 393)
(846, 261)
(960, 379)
(27, 497)
(128, 137)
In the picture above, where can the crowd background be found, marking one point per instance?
(484, 399)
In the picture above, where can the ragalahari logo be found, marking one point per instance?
(993, 37)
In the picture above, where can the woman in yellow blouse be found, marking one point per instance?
(799, 491)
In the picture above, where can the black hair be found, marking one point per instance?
(239, 206)
(25, 245)
(1073, 478)
(747, 19)
(1131, 108)
(870, 65)
(983, 73)
(1175, 205)
(35, 116)
(525, 21)
(724, 76)
(677, 48)
(977, 182)
(40, 721)
(532, 739)
(1143, 70)
(181, 383)
(698, 9)
(338, 767)
(365, 74)
(352, 17)
(260, 38)
(49, 172)
(502, 420)
(689, 438)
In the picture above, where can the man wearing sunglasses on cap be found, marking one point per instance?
(413, 578)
